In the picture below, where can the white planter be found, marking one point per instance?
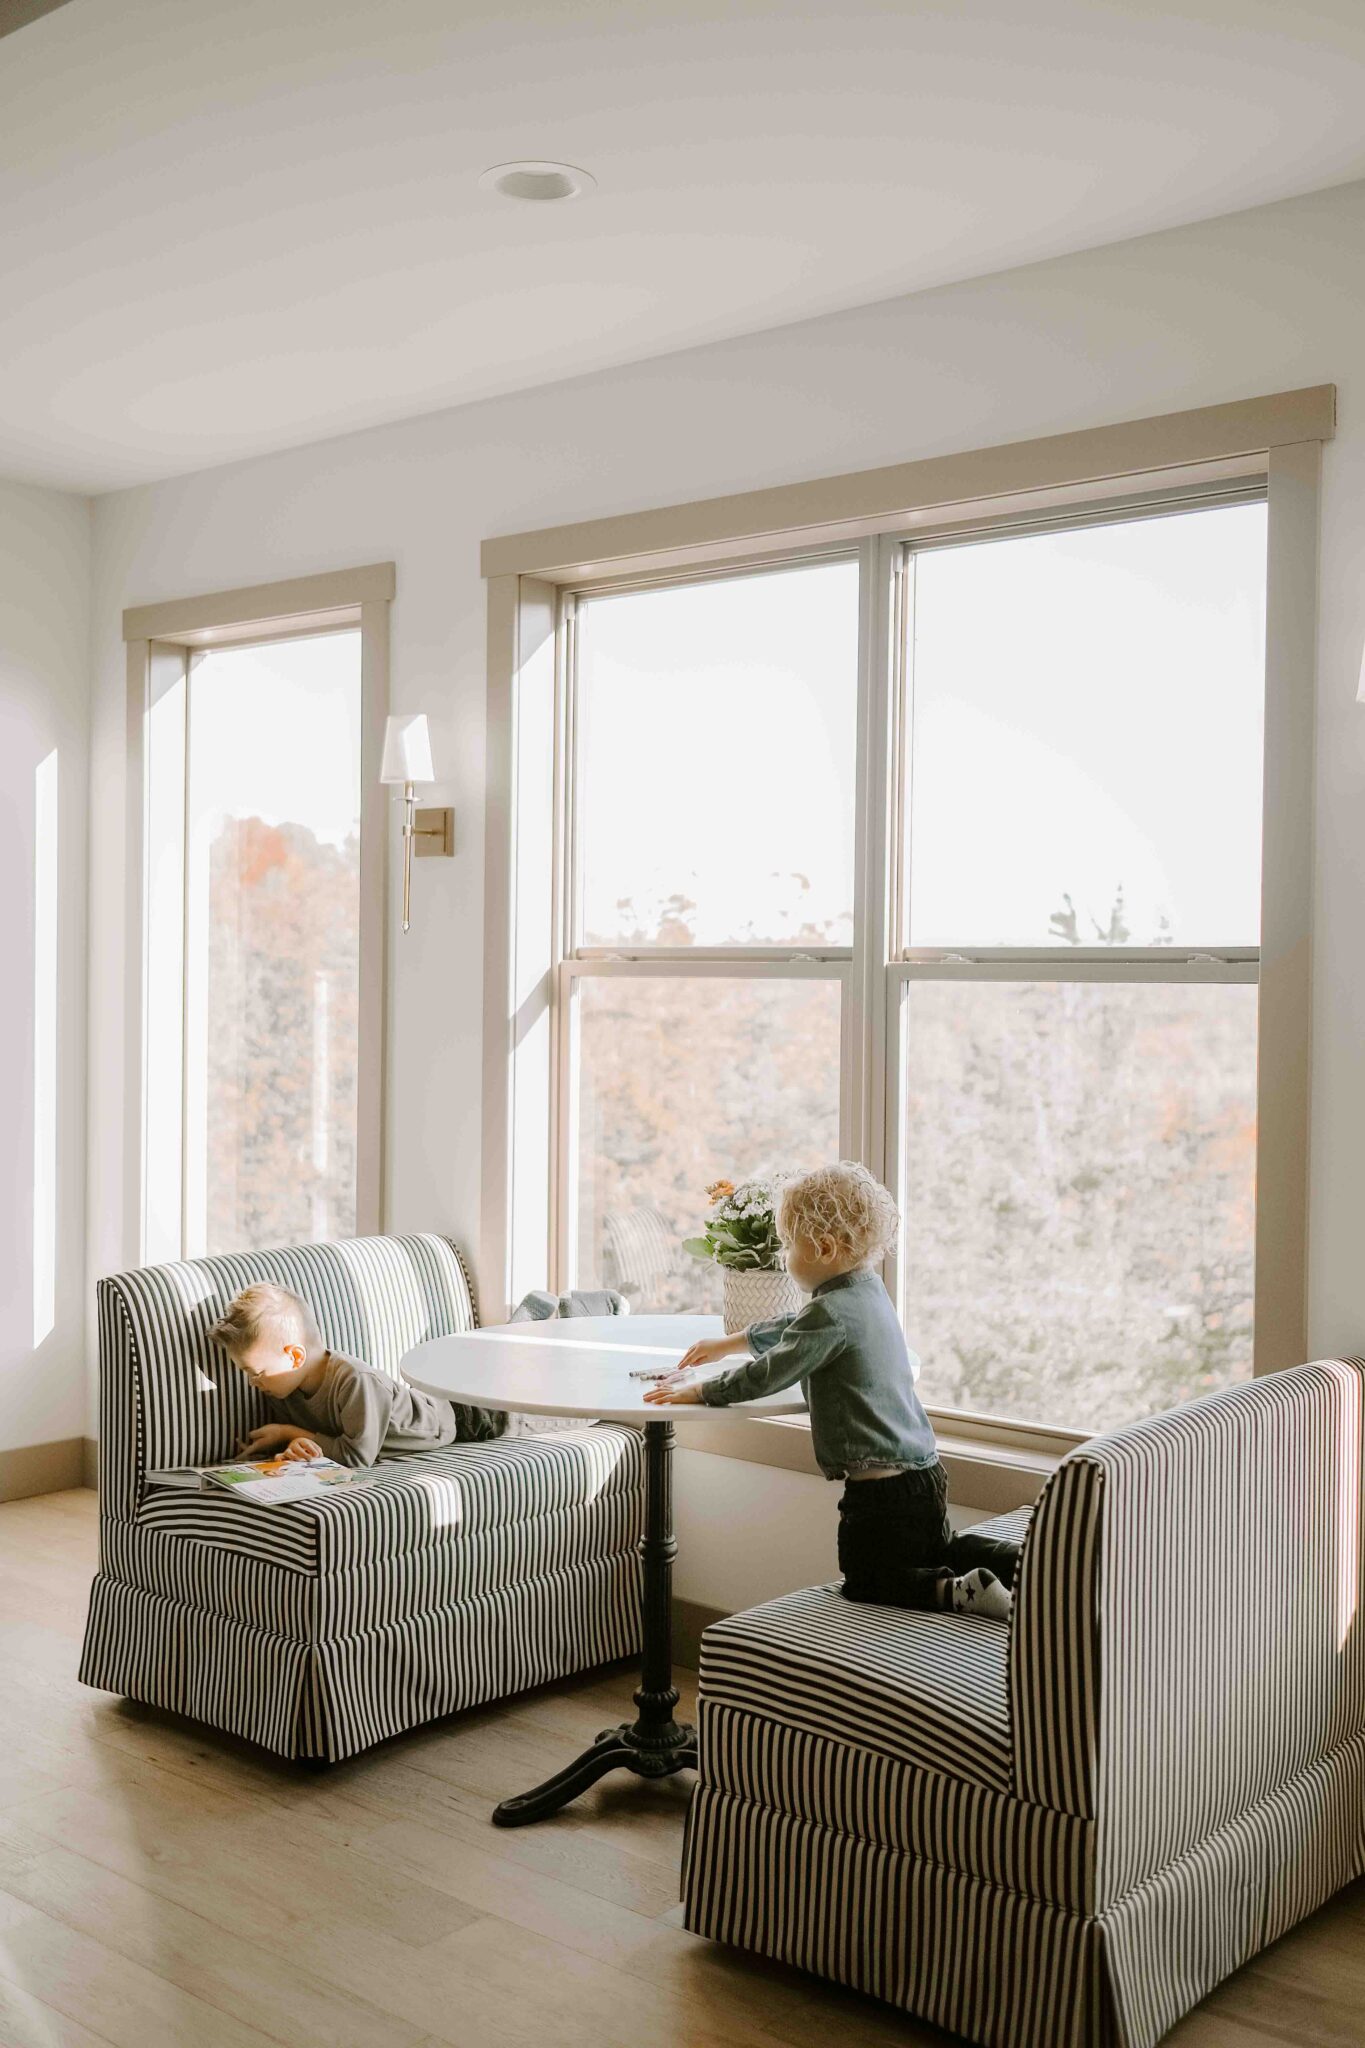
(754, 1297)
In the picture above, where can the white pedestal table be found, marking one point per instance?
(582, 1367)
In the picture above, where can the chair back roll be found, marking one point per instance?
(170, 1397)
(1188, 1632)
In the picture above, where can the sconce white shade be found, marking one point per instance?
(407, 750)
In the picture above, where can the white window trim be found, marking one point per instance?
(172, 633)
(1219, 452)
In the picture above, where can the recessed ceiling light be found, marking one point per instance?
(537, 181)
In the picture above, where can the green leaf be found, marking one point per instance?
(699, 1247)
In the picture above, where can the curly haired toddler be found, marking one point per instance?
(847, 1351)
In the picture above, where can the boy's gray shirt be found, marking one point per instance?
(358, 1415)
(848, 1351)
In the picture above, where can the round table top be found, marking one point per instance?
(578, 1367)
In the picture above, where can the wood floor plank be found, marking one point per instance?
(1290, 2012)
(798, 2010)
(447, 1994)
(261, 1981)
(1204, 2029)
(26, 2022)
(131, 2006)
(484, 1879)
(618, 2011)
(692, 2006)
(234, 1868)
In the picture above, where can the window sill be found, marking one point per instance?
(990, 1477)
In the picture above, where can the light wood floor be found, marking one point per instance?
(165, 1887)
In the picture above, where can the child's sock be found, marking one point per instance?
(980, 1592)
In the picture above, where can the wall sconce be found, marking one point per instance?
(407, 760)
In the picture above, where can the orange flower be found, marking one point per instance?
(719, 1190)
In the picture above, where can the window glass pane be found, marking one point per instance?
(164, 1029)
(1087, 719)
(681, 1083)
(716, 738)
(1079, 1195)
(272, 943)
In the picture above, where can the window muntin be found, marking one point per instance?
(1084, 745)
(715, 726)
(678, 1081)
(1078, 1194)
(262, 1139)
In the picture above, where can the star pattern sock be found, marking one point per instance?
(980, 1592)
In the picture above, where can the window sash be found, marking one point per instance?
(570, 974)
(570, 883)
(348, 601)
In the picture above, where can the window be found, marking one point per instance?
(714, 791)
(1084, 745)
(975, 849)
(1078, 1033)
(1078, 1193)
(260, 1075)
(679, 1080)
(1070, 1070)
(272, 939)
(712, 809)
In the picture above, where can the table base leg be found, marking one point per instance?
(653, 1745)
(626, 1748)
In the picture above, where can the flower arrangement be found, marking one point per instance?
(740, 1231)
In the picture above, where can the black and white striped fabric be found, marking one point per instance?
(339, 1696)
(1184, 1776)
(853, 1789)
(925, 1689)
(413, 1505)
(323, 1626)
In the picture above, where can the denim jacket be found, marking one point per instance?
(847, 1349)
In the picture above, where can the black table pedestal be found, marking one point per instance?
(654, 1744)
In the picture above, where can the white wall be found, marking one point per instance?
(44, 662)
(1253, 303)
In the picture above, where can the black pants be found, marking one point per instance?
(896, 1546)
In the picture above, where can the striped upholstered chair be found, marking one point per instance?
(319, 1628)
(1068, 1829)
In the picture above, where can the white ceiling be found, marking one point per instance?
(230, 229)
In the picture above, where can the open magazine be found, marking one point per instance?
(265, 1479)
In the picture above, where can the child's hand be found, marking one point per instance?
(707, 1352)
(677, 1392)
(270, 1437)
(302, 1449)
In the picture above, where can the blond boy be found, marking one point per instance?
(331, 1406)
(847, 1351)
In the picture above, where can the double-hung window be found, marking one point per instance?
(948, 847)
(712, 841)
(1074, 1053)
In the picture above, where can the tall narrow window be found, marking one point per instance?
(710, 806)
(1078, 1026)
(254, 907)
(46, 911)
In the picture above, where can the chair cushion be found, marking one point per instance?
(436, 1498)
(926, 1689)
(320, 1608)
(867, 1797)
